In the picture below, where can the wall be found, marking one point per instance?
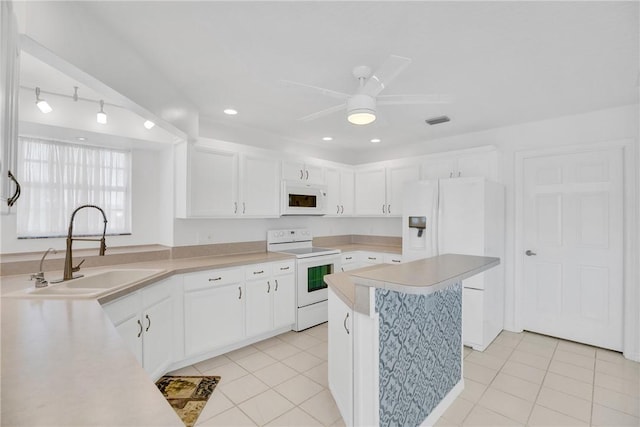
(152, 209)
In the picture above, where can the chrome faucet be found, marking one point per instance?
(41, 282)
(69, 269)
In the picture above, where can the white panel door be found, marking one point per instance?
(213, 182)
(573, 233)
(370, 198)
(260, 187)
(397, 177)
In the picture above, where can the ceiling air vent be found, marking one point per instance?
(437, 120)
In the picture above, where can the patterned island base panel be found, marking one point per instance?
(187, 395)
(420, 352)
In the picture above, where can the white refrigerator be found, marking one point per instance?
(462, 216)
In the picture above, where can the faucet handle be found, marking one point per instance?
(77, 267)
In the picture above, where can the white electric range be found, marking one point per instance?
(312, 264)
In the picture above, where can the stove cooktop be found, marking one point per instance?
(313, 251)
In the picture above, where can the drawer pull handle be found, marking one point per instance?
(372, 258)
(345, 323)
(348, 258)
(240, 290)
(395, 260)
(268, 287)
(284, 268)
(276, 285)
(215, 279)
(140, 331)
(259, 272)
(149, 324)
(307, 172)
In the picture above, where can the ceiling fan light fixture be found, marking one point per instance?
(361, 109)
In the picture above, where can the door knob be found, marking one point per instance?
(530, 253)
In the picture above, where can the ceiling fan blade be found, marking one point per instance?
(415, 99)
(322, 113)
(388, 71)
(315, 89)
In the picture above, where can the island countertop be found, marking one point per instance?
(416, 277)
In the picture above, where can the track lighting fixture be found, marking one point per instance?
(42, 104)
(101, 117)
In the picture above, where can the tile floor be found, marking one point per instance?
(521, 379)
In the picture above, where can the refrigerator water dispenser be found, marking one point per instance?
(417, 238)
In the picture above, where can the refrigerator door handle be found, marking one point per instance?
(438, 216)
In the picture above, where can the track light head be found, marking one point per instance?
(41, 103)
(101, 117)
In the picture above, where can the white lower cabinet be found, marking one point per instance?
(258, 306)
(284, 294)
(270, 299)
(214, 309)
(340, 361)
(145, 321)
(350, 261)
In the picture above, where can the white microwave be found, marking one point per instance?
(303, 199)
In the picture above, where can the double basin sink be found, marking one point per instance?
(91, 286)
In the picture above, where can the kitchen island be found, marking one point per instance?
(395, 339)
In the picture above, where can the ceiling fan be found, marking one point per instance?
(361, 106)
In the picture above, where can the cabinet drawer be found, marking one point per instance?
(257, 271)
(392, 259)
(205, 279)
(371, 258)
(349, 257)
(284, 267)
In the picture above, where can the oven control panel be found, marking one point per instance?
(289, 235)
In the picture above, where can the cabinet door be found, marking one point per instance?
(213, 182)
(346, 192)
(437, 168)
(479, 165)
(260, 187)
(259, 306)
(125, 316)
(157, 337)
(131, 332)
(284, 300)
(213, 318)
(472, 317)
(396, 178)
(341, 356)
(370, 196)
(293, 171)
(313, 174)
(332, 177)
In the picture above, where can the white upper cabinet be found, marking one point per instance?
(340, 191)
(221, 183)
(303, 172)
(379, 192)
(468, 163)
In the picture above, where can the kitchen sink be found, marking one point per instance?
(90, 286)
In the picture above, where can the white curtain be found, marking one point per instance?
(58, 177)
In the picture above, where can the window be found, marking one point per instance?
(57, 177)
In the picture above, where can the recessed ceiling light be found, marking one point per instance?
(81, 138)
(327, 138)
(149, 124)
(230, 111)
(375, 140)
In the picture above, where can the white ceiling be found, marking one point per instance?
(505, 62)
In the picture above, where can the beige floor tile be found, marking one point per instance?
(466, 351)
(207, 365)
(319, 374)
(227, 373)
(299, 339)
(322, 407)
(525, 372)
(480, 416)
(319, 350)
(478, 373)
(540, 350)
(540, 339)
(282, 350)
(565, 403)
(617, 384)
(506, 404)
(230, 418)
(568, 385)
(339, 423)
(516, 386)
(545, 417)
(318, 332)
(298, 389)
(609, 355)
(571, 371)
(241, 352)
(243, 388)
(577, 348)
(485, 359)
(458, 411)
(269, 342)
(587, 362)
(216, 404)
(618, 401)
(443, 422)
(187, 371)
(508, 339)
(255, 361)
(530, 359)
(295, 418)
(603, 416)
(472, 390)
(275, 374)
(627, 370)
(302, 361)
(498, 350)
(265, 407)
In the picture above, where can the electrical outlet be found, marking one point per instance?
(205, 237)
